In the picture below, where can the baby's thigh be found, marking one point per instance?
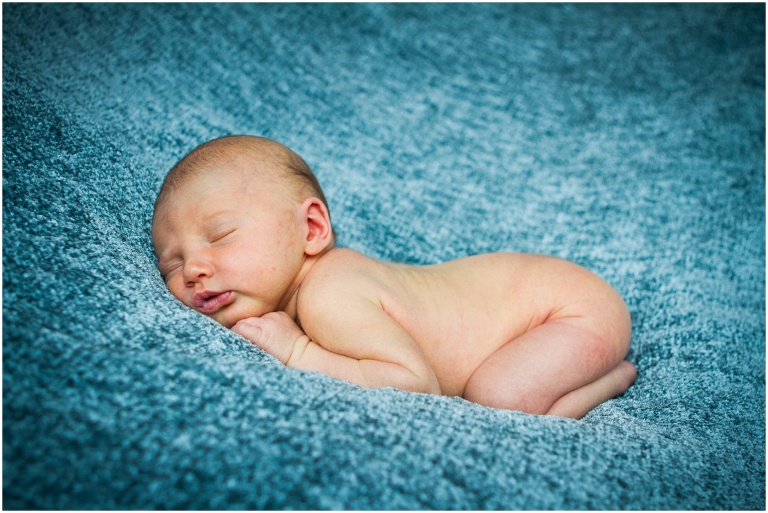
(532, 371)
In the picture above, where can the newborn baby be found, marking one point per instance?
(242, 234)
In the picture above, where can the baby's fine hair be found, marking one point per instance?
(256, 149)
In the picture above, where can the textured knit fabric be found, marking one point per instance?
(627, 138)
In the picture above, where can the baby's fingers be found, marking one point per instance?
(255, 330)
(249, 328)
(271, 334)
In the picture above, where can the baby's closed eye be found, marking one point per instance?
(166, 268)
(221, 235)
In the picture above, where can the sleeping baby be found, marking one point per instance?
(242, 234)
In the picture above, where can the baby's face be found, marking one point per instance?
(229, 246)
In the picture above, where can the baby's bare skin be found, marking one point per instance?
(516, 331)
(461, 312)
(445, 323)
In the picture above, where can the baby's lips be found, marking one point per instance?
(199, 299)
(209, 301)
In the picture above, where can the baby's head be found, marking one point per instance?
(255, 153)
(235, 223)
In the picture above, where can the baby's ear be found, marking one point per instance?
(318, 229)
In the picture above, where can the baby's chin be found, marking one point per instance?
(228, 321)
(228, 317)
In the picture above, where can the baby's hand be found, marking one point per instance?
(274, 332)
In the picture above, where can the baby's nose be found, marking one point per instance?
(196, 269)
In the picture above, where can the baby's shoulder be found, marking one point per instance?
(339, 264)
(338, 273)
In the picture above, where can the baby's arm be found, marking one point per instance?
(368, 347)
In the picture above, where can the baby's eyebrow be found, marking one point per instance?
(162, 252)
(162, 257)
(220, 213)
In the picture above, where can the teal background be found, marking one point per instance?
(627, 138)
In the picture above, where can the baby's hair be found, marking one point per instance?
(228, 148)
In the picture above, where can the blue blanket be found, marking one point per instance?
(626, 138)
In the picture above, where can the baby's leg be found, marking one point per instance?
(578, 403)
(560, 367)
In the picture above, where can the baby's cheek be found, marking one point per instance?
(174, 286)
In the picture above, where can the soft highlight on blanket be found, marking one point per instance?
(626, 138)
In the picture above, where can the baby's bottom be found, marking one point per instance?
(558, 368)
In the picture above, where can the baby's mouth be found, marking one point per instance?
(208, 301)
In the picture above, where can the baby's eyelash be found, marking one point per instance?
(220, 236)
(167, 269)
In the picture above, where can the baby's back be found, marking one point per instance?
(462, 311)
